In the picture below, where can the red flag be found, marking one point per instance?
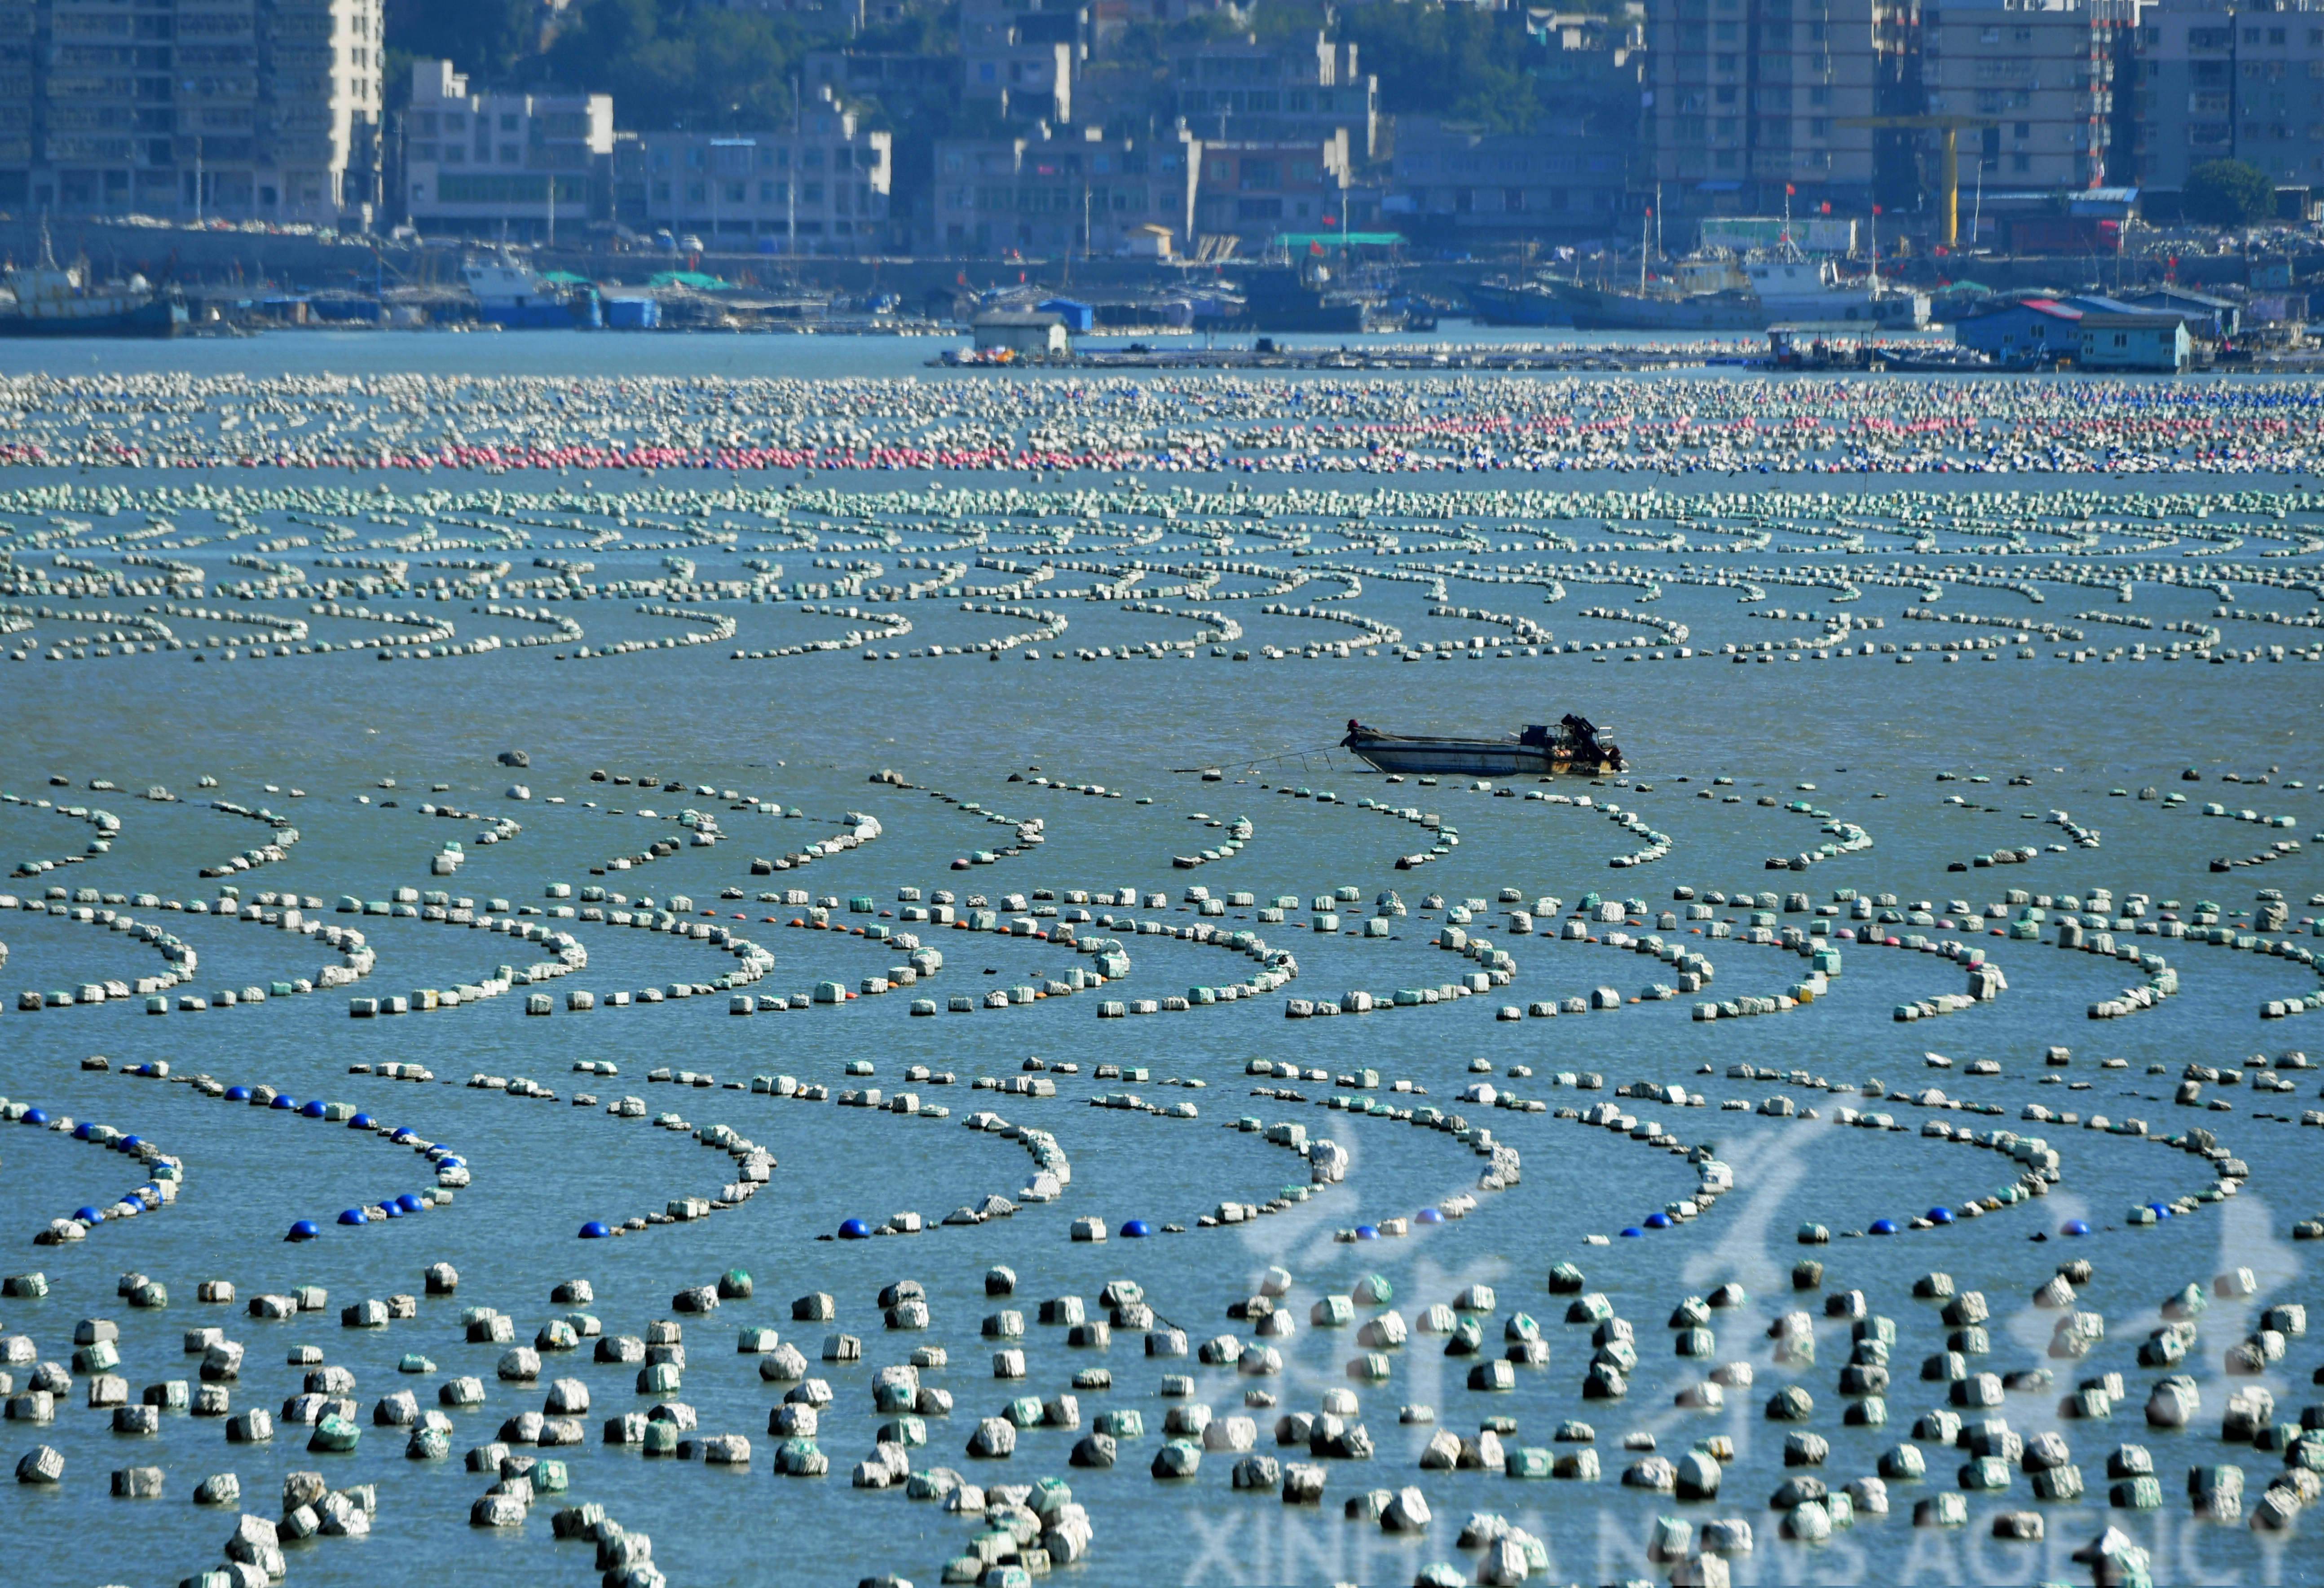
(1315, 247)
(1826, 206)
(1789, 190)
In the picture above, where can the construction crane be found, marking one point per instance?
(1949, 166)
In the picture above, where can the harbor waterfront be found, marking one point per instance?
(669, 961)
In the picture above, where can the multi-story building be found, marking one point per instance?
(1751, 97)
(1021, 57)
(1092, 194)
(2224, 81)
(512, 164)
(2039, 73)
(1243, 90)
(1254, 190)
(1596, 61)
(852, 15)
(242, 109)
(820, 188)
(1460, 184)
(896, 78)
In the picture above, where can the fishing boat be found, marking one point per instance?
(1574, 744)
(508, 294)
(1720, 294)
(1503, 302)
(1306, 298)
(50, 300)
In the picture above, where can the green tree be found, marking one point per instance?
(485, 37)
(669, 66)
(1461, 63)
(2229, 193)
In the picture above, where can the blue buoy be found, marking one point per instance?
(36, 1116)
(284, 1102)
(403, 1137)
(80, 1131)
(2159, 1209)
(1133, 1229)
(1429, 1215)
(237, 1093)
(1884, 1227)
(313, 1110)
(88, 1215)
(411, 1203)
(1941, 1216)
(1658, 1221)
(1632, 1233)
(128, 1144)
(597, 1229)
(449, 1161)
(1365, 1232)
(306, 1229)
(354, 1215)
(360, 1122)
(855, 1229)
(2077, 1226)
(391, 1209)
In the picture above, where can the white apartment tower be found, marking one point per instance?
(1751, 97)
(186, 109)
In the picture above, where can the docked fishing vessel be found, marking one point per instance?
(1517, 303)
(1574, 744)
(1306, 298)
(508, 294)
(50, 301)
(1720, 294)
(1811, 292)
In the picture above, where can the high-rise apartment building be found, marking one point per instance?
(2041, 73)
(1751, 97)
(240, 109)
(2225, 81)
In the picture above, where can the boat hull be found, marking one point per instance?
(537, 315)
(1891, 311)
(1469, 757)
(1593, 309)
(157, 317)
(1517, 306)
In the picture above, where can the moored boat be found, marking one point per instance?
(50, 301)
(1574, 744)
